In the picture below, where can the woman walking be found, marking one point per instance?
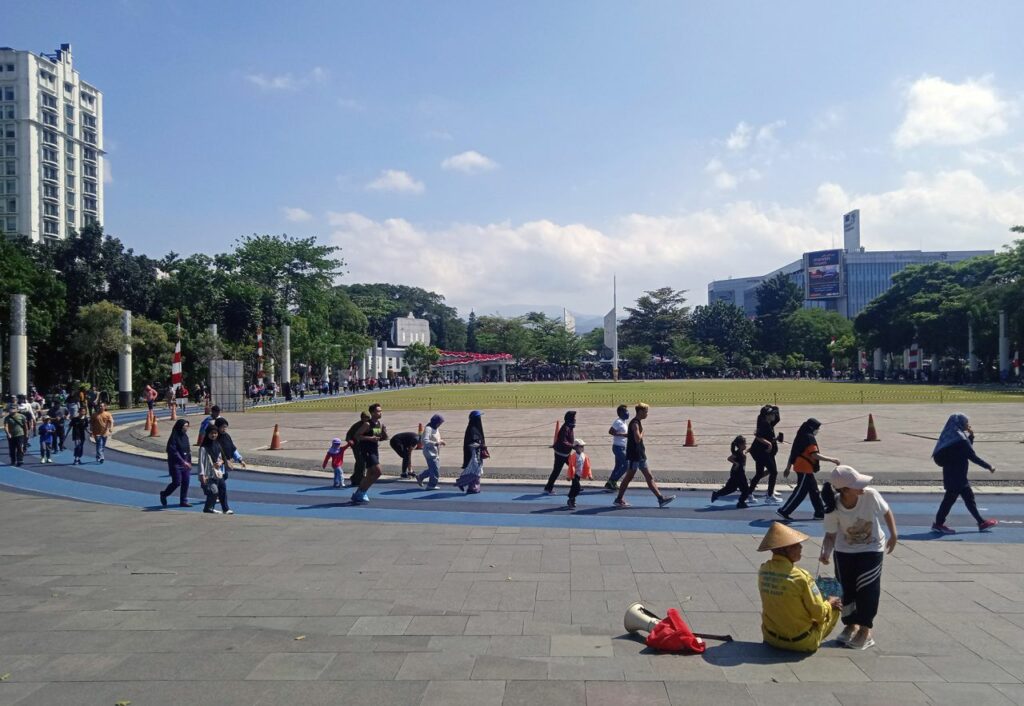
(474, 450)
(763, 451)
(853, 527)
(806, 461)
(432, 443)
(179, 464)
(213, 473)
(953, 451)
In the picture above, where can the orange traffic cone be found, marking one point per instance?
(558, 428)
(690, 440)
(872, 434)
(153, 431)
(419, 443)
(275, 440)
(149, 420)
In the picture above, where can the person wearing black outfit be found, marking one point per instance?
(636, 454)
(806, 460)
(231, 452)
(474, 447)
(954, 451)
(737, 474)
(179, 464)
(213, 473)
(563, 447)
(368, 436)
(79, 430)
(359, 469)
(763, 451)
(404, 444)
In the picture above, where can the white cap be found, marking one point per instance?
(579, 442)
(849, 477)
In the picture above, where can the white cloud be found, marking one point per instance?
(725, 180)
(108, 176)
(469, 162)
(396, 180)
(940, 112)
(766, 133)
(296, 215)
(739, 139)
(1001, 159)
(287, 81)
(493, 264)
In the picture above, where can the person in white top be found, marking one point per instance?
(619, 432)
(432, 444)
(853, 528)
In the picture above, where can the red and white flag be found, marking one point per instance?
(176, 366)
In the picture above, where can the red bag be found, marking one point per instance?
(673, 635)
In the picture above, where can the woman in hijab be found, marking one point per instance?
(213, 472)
(179, 464)
(473, 450)
(432, 444)
(806, 460)
(763, 451)
(953, 451)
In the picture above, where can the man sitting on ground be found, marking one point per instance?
(794, 616)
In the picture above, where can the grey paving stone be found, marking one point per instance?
(76, 667)
(831, 670)
(381, 625)
(519, 645)
(437, 625)
(585, 668)
(881, 694)
(230, 693)
(701, 693)
(464, 693)
(436, 665)
(463, 644)
(610, 693)
(322, 693)
(673, 668)
(1014, 692)
(895, 668)
(288, 666)
(960, 694)
(534, 693)
(399, 643)
(495, 624)
(969, 669)
(14, 692)
(581, 646)
(231, 666)
(376, 666)
(509, 668)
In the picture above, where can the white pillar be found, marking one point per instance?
(124, 363)
(1004, 349)
(384, 359)
(503, 373)
(286, 361)
(19, 346)
(877, 363)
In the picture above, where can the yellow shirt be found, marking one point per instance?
(792, 606)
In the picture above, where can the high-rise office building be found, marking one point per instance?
(51, 146)
(842, 280)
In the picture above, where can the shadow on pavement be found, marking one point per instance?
(737, 652)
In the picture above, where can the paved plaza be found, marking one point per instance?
(520, 440)
(102, 604)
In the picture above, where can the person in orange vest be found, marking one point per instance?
(579, 468)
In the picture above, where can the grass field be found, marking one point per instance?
(662, 393)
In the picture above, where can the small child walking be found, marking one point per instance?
(579, 469)
(737, 474)
(47, 439)
(336, 455)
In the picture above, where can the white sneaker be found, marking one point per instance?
(752, 500)
(229, 512)
(771, 500)
(216, 511)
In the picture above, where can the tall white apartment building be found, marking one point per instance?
(51, 146)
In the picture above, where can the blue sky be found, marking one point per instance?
(522, 153)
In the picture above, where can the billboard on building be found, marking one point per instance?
(824, 271)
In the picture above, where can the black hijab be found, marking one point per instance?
(178, 441)
(474, 435)
(212, 446)
(805, 436)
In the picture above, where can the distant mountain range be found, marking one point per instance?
(585, 323)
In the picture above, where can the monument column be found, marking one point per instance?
(972, 360)
(877, 364)
(19, 346)
(124, 363)
(286, 361)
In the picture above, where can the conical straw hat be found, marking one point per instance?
(780, 535)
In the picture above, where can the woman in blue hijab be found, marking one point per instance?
(953, 451)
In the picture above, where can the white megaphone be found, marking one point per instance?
(639, 618)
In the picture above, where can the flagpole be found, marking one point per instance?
(615, 322)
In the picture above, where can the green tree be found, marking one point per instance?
(723, 326)
(777, 298)
(594, 341)
(420, 357)
(471, 344)
(496, 334)
(152, 351)
(638, 357)
(382, 303)
(97, 338)
(563, 348)
(659, 316)
(811, 332)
